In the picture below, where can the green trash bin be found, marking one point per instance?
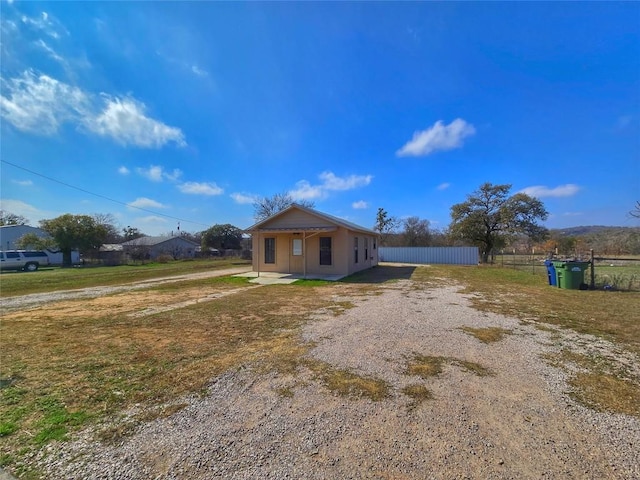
(570, 275)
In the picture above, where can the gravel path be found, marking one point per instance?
(518, 423)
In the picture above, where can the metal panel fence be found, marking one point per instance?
(430, 255)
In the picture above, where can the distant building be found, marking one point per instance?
(150, 248)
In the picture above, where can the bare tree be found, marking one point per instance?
(8, 218)
(635, 213)
(267, 206)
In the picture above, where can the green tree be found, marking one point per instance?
(71, 232)
(267, 206)
(222, 237)
(8, 218)
(416, 232)
(385, 225)
(489, 218)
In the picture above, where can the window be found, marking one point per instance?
(325, 250)
(355, 249)
(270, 250)
(13, 255)
(366, 249)
(34, 254)
(374, 243)
(297, 246)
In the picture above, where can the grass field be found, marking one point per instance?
(60, 373)
(49, 279)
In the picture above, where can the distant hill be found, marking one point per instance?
(590, 229)
(602, 239)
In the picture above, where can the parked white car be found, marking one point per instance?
(27, 260)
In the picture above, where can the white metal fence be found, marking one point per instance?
(430, 255)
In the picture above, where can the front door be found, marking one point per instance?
(296, 256)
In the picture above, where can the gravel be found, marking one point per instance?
(517, 423)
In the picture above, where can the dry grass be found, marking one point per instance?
(428, 366)
(418, 394)
(348, 384)
(488, 334)
(58, 374)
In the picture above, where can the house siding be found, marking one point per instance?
(342, 239)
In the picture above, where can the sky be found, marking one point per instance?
(167, 114)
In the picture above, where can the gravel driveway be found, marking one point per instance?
(517, 423)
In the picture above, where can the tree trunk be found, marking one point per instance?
(66, 258)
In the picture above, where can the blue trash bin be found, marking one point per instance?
(551, 273)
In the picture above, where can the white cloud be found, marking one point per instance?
(438, 137)
(305, 191)
(244, 198)
(330, 182)
(443, 186)
(151, 220)
(40, 104)
(18, 207)
(200, 188)
(156, 173)
(144, 202)
(23, 183)
(360, 205)
(125, 121)
(123, 170)
(540, 191)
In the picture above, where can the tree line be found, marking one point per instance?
(490, 218)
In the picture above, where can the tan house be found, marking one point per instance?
(305, 242)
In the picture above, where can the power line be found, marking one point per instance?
(101, 196)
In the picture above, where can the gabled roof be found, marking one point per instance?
(151, 241)
(338, 222)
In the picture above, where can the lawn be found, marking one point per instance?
(50, 279)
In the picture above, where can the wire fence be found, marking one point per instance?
(609, 273)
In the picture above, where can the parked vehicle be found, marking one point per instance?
(26, 260)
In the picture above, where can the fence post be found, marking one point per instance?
(593, 275)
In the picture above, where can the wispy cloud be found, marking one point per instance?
(244, 198)
(360, 205)
(200, 188)
(51, 52)
(18, 207)
(157, 173)
(438, 137)
(151, 220)
(330, 182)
(124, 170)
(23, 183)
(199, 71)
(46, 24)
(144, 202)
(541, 191)
(40, 104)
(443, 186)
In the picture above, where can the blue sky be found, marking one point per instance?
(190, 110)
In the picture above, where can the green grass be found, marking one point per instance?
(52, 279)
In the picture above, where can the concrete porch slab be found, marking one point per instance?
(274, 278)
